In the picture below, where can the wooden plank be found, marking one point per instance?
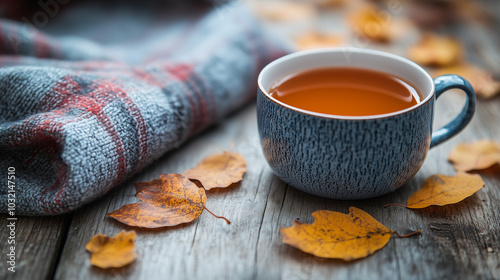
(461, 240)
(39, 241)
(207, 247)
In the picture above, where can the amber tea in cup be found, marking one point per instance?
(346, 91)
(349, 123)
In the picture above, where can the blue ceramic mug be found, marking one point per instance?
(353, 157)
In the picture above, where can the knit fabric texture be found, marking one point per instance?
(95, 94)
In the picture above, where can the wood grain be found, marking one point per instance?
(460, 241)
(39, 241)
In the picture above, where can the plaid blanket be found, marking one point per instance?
(90, 97)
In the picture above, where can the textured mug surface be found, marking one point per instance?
(344, 157)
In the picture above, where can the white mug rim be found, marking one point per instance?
(295, 55)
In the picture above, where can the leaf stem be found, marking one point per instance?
(395, 204)
(219, 217)
(418, 232)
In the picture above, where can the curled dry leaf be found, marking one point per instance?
(282, 10)
(482, 82)
(436, 50)
(168, 201)
(314, 40)
(372, 23)
(219, 170)
(476, 155)
(108, 252)
(443, 190)
(336, 235)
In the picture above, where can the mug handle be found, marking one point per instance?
(442, 84)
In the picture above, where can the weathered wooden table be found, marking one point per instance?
(460, 241)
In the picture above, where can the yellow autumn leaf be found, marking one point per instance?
(482, 81)
(372, 23)
(314, 40)
(337, 235)
(443, 190)
(476, 155)
(436, 50)
(108, 252)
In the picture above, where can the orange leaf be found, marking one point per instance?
(475, 156)
(114, 251)
(483, 83)
(373, 24)
(314, 40)
(282, 10)
(168, 201)
(337, 235)
(219, 170)
(436, 50)
(443, 190)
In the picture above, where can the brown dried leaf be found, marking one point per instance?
(314, 40)
(436, 50)
(483, 83)
(168, 201)
(477, 155)
(108, 252)
(219, 170)
(336, 235)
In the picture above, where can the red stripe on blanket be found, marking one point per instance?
(135, 113)
(146, 77)
(90, 104)
(180, 73)
(209, 97)
(200, 124)
(61, 181)
(42, 141)
(66, 95)
(61, 94)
